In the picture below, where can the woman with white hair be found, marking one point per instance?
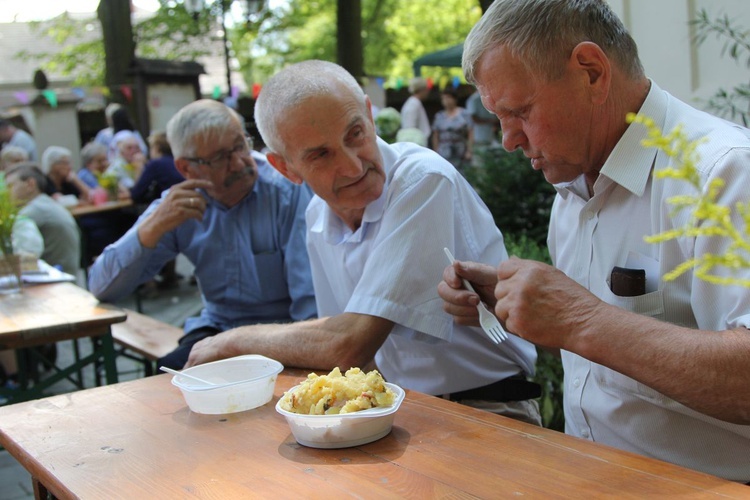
(57, 165)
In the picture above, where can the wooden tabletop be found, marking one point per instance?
(79, 210)
(53, 312)
(139, 440)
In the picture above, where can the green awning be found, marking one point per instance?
(450, 57)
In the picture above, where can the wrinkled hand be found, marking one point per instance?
(461, 303)
(182, 203)
(541, 304)
(205, 351)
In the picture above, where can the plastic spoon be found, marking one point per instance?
(183, 374)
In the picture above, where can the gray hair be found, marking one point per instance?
(91, 151)
(54, 154)
(11, 155)
(416, 84)
(28, 170)
(204, 118)
(542, 34)
(294, 85)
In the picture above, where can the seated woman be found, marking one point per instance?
(159, 174)
(128, 164)
(61, 181)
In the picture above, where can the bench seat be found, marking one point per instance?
(145, 339)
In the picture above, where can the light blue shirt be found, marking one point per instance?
(88, 177)
(250, 260)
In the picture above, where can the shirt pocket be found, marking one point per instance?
(651, 305)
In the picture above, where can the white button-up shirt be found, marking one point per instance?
(590, 235)
(390, 267)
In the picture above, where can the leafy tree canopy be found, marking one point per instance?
(394, 34)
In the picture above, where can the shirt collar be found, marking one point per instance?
(630, 163)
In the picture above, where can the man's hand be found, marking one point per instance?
(207, 350)
(461, 303)
(541, 304)
(182, 203)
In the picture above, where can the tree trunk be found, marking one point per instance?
(485, 4)
(349, 39)
(119, 45)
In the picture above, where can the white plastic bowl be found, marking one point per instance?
(343, 431)
(246, 383)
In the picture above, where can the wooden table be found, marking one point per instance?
(139, 440)
(44, 314)
(79, 210)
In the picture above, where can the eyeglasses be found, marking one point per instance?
(223, 159)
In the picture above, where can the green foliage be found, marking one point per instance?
(708, 219)
(519, 197)
(388, 123)
(170, 34)
(734, 103)
(394, 34)
(9, 209)
(520, 200)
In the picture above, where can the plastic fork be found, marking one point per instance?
(487, 320)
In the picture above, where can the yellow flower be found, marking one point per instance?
(708, 218)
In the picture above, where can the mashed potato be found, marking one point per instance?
(334, 393)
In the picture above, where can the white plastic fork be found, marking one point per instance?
(487, 320)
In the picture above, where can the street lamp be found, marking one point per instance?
(250, 8)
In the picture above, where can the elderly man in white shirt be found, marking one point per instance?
(662, 371)
(376, 232)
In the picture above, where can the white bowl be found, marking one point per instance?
(246, 382)
(343, 431)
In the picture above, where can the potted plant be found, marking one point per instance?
(10, 264)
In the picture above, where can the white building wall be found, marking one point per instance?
(662, 30)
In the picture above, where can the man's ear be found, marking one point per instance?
(181, 164)
(590, 58)
(279, 163)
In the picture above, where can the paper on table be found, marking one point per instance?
(46, 274)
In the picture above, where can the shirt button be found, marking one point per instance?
(576, 382)
(585, 433)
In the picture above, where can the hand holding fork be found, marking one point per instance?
(487, 320)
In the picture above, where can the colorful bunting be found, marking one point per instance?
(22, 97)
(51, 97)
(430, 83)
(256, 90)
(380, 82)
(127, 92)
(456, 82)
(235, 92)
(217, 92)
(399, 83)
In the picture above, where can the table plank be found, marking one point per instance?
(81, 210)
(53, 312)
(139, 437)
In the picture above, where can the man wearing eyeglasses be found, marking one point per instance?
(238, 221)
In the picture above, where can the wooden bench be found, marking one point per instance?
(145, 339)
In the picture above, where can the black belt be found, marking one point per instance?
(515, 388)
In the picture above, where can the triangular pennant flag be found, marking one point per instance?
(430, 83)
(217, 92)
(127, 92)
(235, 92)
(51, 97)
(22, 97)
(399, 83)
(380, 82)
(256, 90)
(456, 82)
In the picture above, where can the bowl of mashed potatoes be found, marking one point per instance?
(341, 410)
